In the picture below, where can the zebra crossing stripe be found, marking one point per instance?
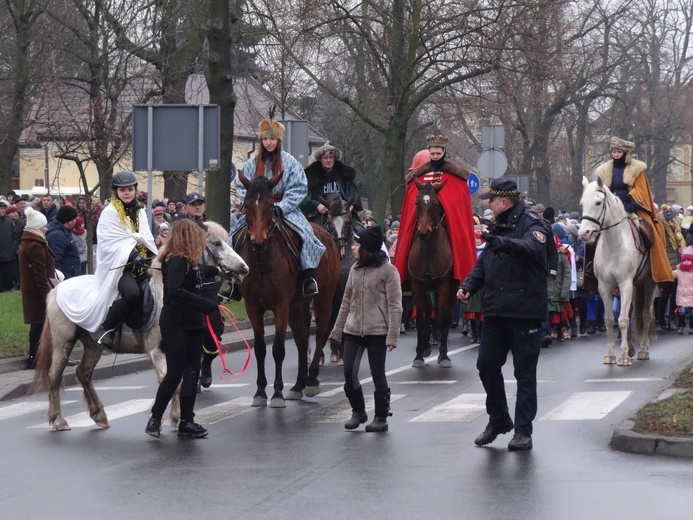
(586, 406)
(19, 409)
(340, 412)
(465, 407)
(115, 411)
(226, 410)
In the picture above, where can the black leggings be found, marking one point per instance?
(128, 288)
(354, 346)
(183, 349)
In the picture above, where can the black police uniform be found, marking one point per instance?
(513, 273)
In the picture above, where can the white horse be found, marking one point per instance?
(618, 264)
(60, 335)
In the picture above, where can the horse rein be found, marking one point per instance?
(425, 238)
(600, 220)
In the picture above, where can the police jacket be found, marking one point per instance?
(59, 239)
(514, 276)
(184, 308)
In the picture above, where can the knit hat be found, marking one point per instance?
(328, 149)
(66, 214)
(575, 215)
(79, 226)
(573, 230)
(163, 227)
(35, 219)
(670, 214)
(550, 214)
(394, 225)
(159, 210)
(11, 209)
(561, 234)
(371, 239)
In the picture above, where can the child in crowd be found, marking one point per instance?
(684, 290)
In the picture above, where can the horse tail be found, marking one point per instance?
(44, 358)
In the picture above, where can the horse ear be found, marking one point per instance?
(244, 180)
(275, 180)
(600, 182)
(585, 182)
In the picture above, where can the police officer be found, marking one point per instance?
(512, 270)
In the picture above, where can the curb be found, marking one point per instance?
(629, 441)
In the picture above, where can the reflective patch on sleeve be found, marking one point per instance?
(541, 237)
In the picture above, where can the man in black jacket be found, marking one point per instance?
(513, 272)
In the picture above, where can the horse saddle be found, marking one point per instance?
(643, 234)
(292, 240)
(142, 314)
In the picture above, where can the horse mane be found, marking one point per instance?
(216, 230)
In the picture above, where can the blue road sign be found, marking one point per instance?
(473, 182)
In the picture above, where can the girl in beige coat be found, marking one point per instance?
(369, 319)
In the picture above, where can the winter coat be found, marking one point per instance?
(67, 260)
(317, 177)
(372, 303)
(515, 275)
(674, 241)
(559, 286)
(8, 239)
(684, 288)
(36, 266)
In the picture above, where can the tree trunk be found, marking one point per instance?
(390, 187)
(220, 83)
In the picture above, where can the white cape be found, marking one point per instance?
(85, 300)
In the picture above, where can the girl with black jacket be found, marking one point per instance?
(182, 323)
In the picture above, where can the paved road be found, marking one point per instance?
(299, 461)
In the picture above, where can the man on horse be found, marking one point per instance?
(626, 179)
(431, 166)
(269, 162)
(328, 177)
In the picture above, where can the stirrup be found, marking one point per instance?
(108, 339)
(310, 288)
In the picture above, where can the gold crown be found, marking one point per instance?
(436, 141)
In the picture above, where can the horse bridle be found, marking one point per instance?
(600, 220)
(341, 241)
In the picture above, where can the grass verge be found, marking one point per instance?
(14, 334)
(673, 416)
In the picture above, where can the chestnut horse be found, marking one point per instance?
(429, 265)
(271, 248)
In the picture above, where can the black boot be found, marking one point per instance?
(591, 327)
(682, 324)
(206, 370)
(114, 319)
(310, 285)
(358, 408)
(475, 334)
(690, 324)
(153, 427)
(382, 411)
(601, 326)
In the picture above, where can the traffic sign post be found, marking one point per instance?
(492, 163)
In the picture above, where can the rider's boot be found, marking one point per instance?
(111, 325)
(310, 285)
(358, 408)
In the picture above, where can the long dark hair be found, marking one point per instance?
(364, 258)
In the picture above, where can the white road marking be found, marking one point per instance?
(116, 411)
(19, 409)
(586, 406)
(229, 385)
(341, 411)
(226, 410)
(99, 388)
(626, 380)
(465, 407)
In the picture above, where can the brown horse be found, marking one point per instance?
(429, 265)
(270, 246)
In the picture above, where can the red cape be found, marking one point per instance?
(458, 213)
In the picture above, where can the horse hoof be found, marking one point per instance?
(643, 356)
(293, 395)
(311, 391)
(631, 351)
(334, 358)
(277, 402)
(259, 401)
(624, 361)
(609, 360)
(103, 424)
(445, 363)
(62, 427)
(427, 352)
(418, 363)
(340, 362)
